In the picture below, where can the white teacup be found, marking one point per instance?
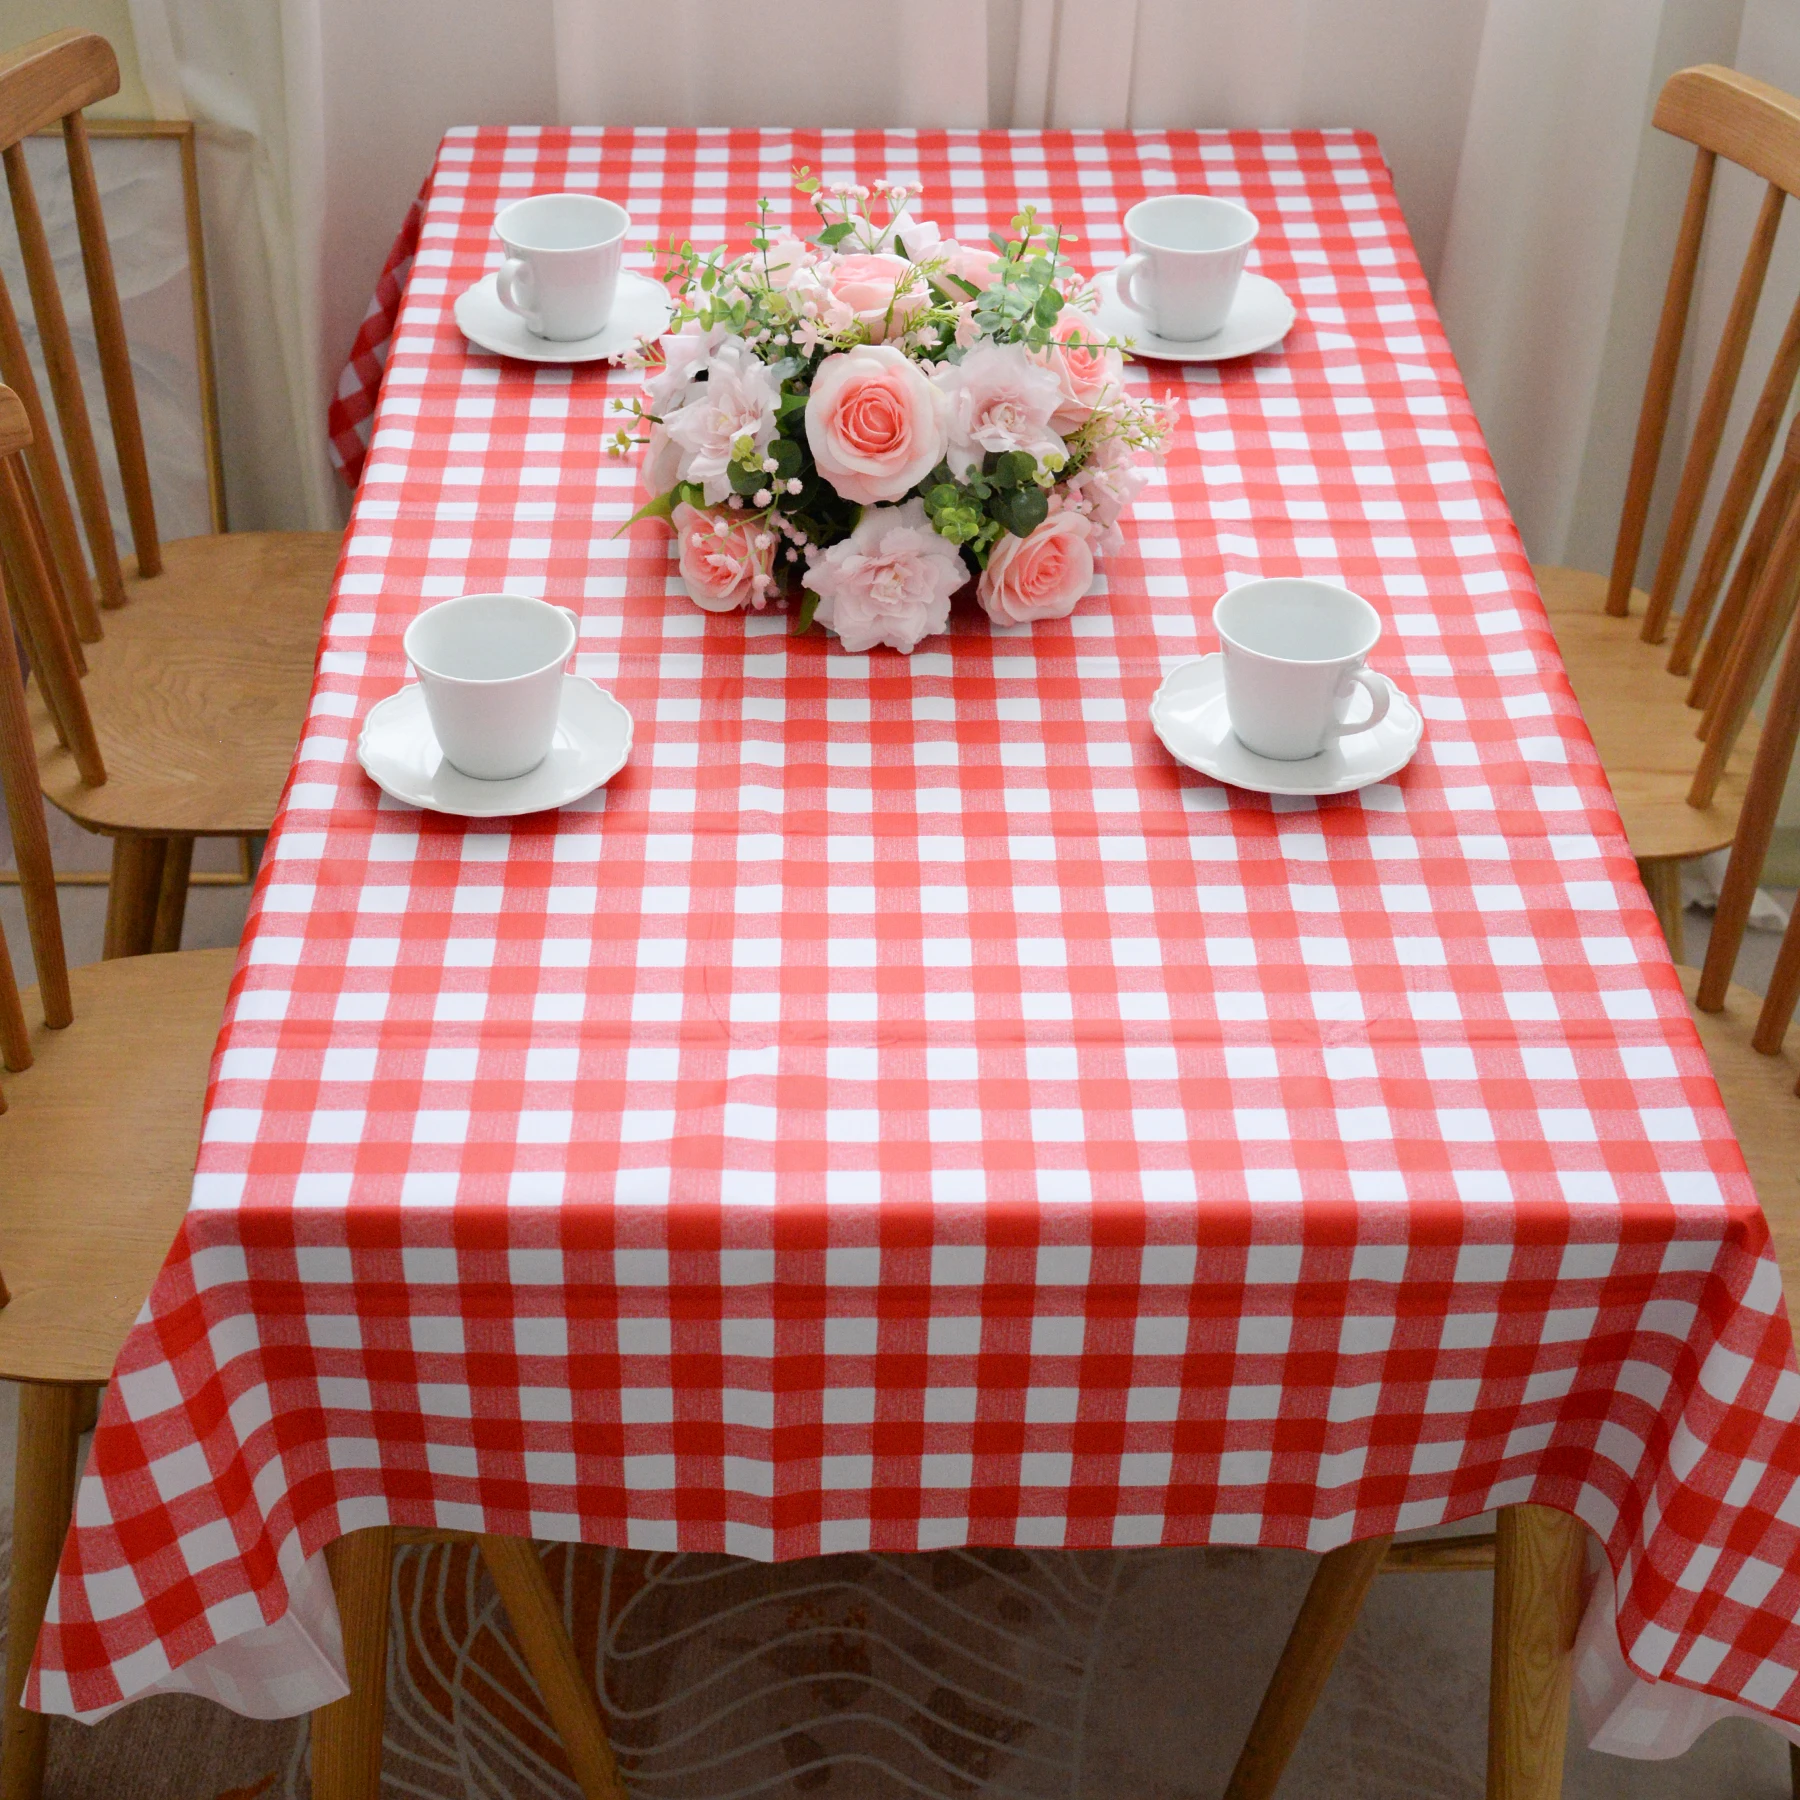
(491, 666)
(1188, 251)
(562, 262)
(1294, 651)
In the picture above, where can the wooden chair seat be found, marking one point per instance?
(1759, 1097)
(198, 690)
(1641, 723)
(97, 1145)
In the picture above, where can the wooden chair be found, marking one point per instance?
(1757, 1062)
(197, 685)
(97, 1145)
(1640, 702)
(1754, 1053)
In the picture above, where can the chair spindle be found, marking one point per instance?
(1709, 427)
(1735, 504)
(65, 379)
(40, 454)
(1659, 387)
(115, 354)
(54, 663)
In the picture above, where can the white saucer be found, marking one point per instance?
(640, 310)
(1261, 315)
(1189, 715)
(400, 754)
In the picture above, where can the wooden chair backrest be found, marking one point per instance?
(35, 608)
(1770, 609)
(46, 81)
(25, 814)
(1723, 114)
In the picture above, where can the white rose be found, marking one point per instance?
(737, 399)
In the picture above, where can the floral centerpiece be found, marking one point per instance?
(870, 418)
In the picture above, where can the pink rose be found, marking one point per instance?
(725, 559)
(974, 264)
(874, 422)
(1041, 576)
(865, 283)
(1087, 372)
(889, 581)
(998, 398)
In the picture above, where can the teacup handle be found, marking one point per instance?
(1380, 695)
(517, 290)
(1127, 272)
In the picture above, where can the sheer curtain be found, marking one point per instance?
(1516, 129)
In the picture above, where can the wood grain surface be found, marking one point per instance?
(199, 688)
(98, 1144)
(1642, 725)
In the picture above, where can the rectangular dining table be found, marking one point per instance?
(907, 1109)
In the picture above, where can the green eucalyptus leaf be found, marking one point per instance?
(1022, 510)
(834, 235)
(787, 458)
(746, 481)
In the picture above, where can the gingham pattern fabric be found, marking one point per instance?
(351, 415)
(905, 1108)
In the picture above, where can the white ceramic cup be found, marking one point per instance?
(562, 262)
(1188, 251)
(491, 666)
(1294, 651)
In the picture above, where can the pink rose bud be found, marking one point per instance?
(865, 283)
(724, 560)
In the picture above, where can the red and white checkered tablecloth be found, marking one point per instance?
(906, 1109)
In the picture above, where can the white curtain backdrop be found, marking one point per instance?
(1542, 205)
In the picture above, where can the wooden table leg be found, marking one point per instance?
(1538, 1557)
(1662, 882)
(346, 1735)
(172, 895)
(1326, 1616)
(43, 1498)
(537, 1622)
(132, 895)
